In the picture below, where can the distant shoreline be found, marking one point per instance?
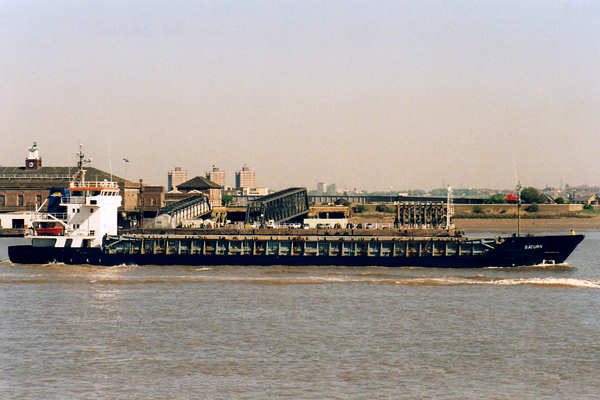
(505, 225)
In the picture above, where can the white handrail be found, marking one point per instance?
(95, 184)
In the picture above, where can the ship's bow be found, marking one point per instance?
(562, 246)
(533, 250)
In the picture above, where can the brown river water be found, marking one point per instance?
(147, 332)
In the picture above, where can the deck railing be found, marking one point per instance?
(94, 184)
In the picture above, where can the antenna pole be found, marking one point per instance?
(519, 209)
(80, 155)
(109, 159)
(80, 163)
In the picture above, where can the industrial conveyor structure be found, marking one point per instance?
(281, 206)
(421, 215)
(189, 208)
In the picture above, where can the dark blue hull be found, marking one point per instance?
(512, 252)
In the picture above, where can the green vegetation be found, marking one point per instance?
(477, 210)
(226, 199)
(385, 209)
(588, 209)
(531, 195)
(359, 208)
(532, 208)
(443, 192)
(523, 216)
(342, 202)
(560, 200)
(497, 198)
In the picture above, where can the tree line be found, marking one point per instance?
(529, 195)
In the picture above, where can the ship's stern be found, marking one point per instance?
(27, 254)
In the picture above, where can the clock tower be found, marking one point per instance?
(33, 160)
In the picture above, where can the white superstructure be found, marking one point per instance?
(90, 213)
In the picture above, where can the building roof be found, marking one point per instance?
(198, 183)
(10, 176)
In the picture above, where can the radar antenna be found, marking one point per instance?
(81, 162)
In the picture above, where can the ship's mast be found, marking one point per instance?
(80, 163)
(519, 208)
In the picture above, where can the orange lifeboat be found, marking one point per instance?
(53, 230)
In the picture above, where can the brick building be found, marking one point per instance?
(199, 185)
(28, 187)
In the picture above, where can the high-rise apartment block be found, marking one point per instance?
(175, 178)
(245, 178)
(217, 176)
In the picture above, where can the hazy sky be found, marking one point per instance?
(369, 94)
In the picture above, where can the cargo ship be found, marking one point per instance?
(87, 234)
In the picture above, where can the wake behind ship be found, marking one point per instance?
(87, 234)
